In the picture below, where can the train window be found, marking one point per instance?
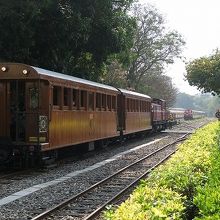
(109, 102)
(83, 99)
(144, 106)
(113, 103)
(128, 105)
(141, 106)
(148, 107)
(132, 105)
(137, 105)
(65, 96)
(98, 101)
(34, 94)
(103, 102)
(91, 101)
(74, 98)
(56, 96)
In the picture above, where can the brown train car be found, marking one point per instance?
(41, 110)
(159, 114)
(134, 110)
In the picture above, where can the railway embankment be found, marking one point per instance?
(185, 187)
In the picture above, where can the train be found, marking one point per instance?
(186, 114)
(190, 114)
(43, 111)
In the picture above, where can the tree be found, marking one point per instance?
(204, 73)
(154, 47)
(159, 86)
(66, 36)
(184, 100)
(115, 75)
(202, 102)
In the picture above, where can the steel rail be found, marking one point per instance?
(71, 199)
(97, 211)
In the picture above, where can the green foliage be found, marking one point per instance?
(207, 199)
(150, 84)
(65, 36)
(169, 191)
(204, 73)
(188, 168)
(149, 203)
(154, 46)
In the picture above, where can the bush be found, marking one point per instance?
(175, 190)
(208, 196)
(150, 203)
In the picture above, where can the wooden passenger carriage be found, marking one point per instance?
(134, 112)
(42, 110)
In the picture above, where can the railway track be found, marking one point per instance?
(8, 178)
(13, 175)
(90, 202)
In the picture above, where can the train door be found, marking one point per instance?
(17, 110)
(121, 113)
(4, 129)
(37, 111)
(28, 115)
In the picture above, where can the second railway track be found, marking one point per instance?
(90, 202)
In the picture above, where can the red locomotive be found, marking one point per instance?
(188, 114)
(42, 111)
(159, 114)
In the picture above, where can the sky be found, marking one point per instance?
(198, 21)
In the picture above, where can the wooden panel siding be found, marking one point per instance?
(73, 127)
(137, 121)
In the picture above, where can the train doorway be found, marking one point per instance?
(17, 107)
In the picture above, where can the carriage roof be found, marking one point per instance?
(72, 78)
(16, 71)
(132, 94)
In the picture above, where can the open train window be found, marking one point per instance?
(109, 102)
(137, 105)
(143, 106)
(114, 103)
(132, 105)
(98, 101)
(66, 97)
(83, 99)
(74, 98)
(91, 100)
(34, 95)
(128, 105)
(56, 96)
(148, 107)
(103, 102)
